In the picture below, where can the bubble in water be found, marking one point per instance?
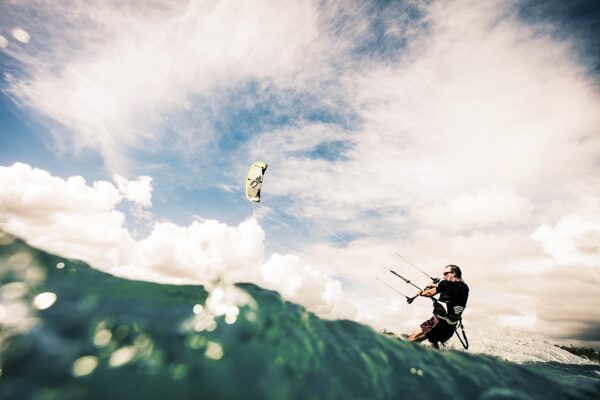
(211, 326)
(195, 342)
(214, 351)
(217, 294)
(251, 316)
(44, 300)
(122, 356)
(204, 322)
(198, 308)
(84, 365)
(20, 260)
(102, 337)
(13, 290)
(14, 313)
(179, 371)
(142, 341)
(231, 315)
(34, 274)
(221, 301)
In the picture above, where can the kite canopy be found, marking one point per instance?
(254, 181)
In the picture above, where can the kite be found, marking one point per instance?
(254, 181)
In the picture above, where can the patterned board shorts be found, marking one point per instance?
(436, 330)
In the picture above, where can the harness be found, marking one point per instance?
(458, 323)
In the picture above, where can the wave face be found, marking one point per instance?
(72, 332)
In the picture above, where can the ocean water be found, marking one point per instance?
(68, 331)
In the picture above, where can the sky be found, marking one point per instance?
(440, 132)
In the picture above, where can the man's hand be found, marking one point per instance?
(428, 292)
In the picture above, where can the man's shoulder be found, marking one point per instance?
(461, 284)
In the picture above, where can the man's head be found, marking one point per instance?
(451, 272)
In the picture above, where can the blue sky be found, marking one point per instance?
(450, 131)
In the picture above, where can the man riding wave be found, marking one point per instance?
(454, 293)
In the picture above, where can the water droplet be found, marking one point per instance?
(198, 308)
(44, 300)
(20, 260)
(142, 341)
(231, 315)
(84, 365)
(196, 342)
(13, 290)
(217, 295)
(251, 316)
(14, 313)
(211, 326)
(214, 351)
(102, 337)
(179, 371)
(122, 356)
(34, 274)
(204, 322)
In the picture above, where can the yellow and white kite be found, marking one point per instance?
(254, 181)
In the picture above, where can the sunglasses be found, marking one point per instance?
(449, 272)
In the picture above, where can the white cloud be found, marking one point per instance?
(466, 211)
(65, 216)
(3, 42)
(485, 104)
(260, 212)
(138, 191)
(575, 238)
(308, 286)
(21, 35)
(202, 252)
(114, 80)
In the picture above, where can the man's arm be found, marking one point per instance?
(429, 291)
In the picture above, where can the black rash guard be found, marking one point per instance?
(455, 295)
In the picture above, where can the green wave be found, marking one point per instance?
(69, 331)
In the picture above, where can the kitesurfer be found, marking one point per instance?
(453, 292)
